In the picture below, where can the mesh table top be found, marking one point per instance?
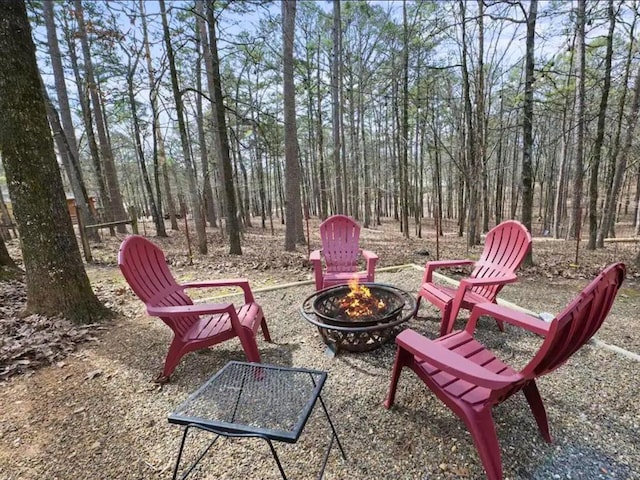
(255, 399)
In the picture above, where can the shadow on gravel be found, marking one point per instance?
(580, 461)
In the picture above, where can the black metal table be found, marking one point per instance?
(257, 401)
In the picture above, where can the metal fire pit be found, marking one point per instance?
(361, 334)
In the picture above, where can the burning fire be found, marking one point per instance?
(359, 302)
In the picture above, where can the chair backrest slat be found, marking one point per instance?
(340, 237)
(504, 250)
(578, 322)
(145, 268)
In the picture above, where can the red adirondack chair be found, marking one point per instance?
(340, 248)
(504, 250)
(194, 326)
(470, 379)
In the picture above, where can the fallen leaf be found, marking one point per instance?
(93, 374)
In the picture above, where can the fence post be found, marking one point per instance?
(84, 240)
(186, 231)
(134, 219)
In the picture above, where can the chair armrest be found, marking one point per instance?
(242, 283)
(369, 255)
(371, 259)
(458, 299)
(182, 310)
(451, 362)
(504, 279)
(316, 260)
(430, 267)
(509, 315)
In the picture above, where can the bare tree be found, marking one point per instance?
(336, 106)
(576, 207)
(184, 139)
(56, 280)
(69, 151)
(292, 166)
(116, 207)
(597, 148)
(220, 123)
(527, 125)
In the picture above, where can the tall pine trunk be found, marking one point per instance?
(597, 148)
(57, 283)
(527, 126)
(220, 123)
(184, 140)
(116, 207)
(293, 210)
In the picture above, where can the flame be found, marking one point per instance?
(359, 302)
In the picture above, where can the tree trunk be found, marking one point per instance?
(155, 211)
(576, 207)
(71, 165)
(160, 157)
(608, 217)
(320, 135)
(292, 166)
(73, 159)
(480, 131)
(499, 197)
(110, 174)
(233, 229)
(470, 162)
(336, 107)
(527, 126)
(6, 262)
(404, 141)
(57, 283)
(184, 140)
(615, 149)
(597, 148)
(207, 191)
(86, 117)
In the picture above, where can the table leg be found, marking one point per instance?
(275, 457)
(335, 434)
(219, 433)
(184, 438)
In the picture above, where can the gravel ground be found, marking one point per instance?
(97, 416)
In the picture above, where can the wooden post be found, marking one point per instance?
(306, 217)
(186, 231)
(84, 240)
(271, 218)
(134, 219)
(437, 232)
(578, 228)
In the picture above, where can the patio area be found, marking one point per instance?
(98, 416)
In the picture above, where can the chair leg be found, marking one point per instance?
(500, 325)
(483, 431)
(415, 312)
(249, 345)
(446, 324)
(402, 359)
(174, 355)
(537, 408)
(265, 330)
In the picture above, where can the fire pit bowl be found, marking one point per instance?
(326, 310)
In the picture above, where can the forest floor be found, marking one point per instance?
(77, 402)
